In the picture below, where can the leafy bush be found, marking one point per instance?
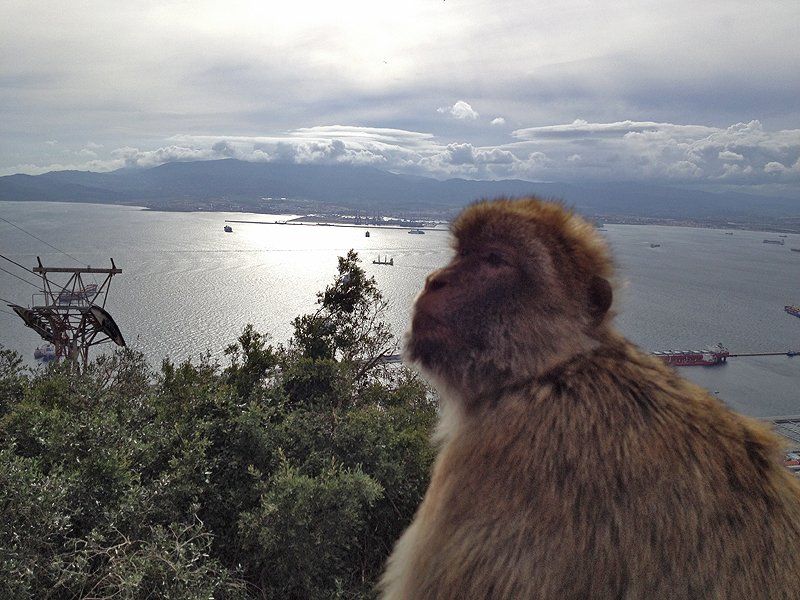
(287, 473)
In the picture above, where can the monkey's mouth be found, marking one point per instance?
(424, 322)
(429, 339)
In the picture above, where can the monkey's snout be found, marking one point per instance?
(435, 285)
(435, 281)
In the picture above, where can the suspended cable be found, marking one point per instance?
(20, 278)
(41, 240)
(8, 312)
(63, 288)
(16, 263)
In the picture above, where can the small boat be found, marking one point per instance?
(795, 249)
(782, 235)
(228, 229)
(45, 353)
(728, 233)
(385, 261)
(792, 310)
(366, 234)
(655, 245)
(778, 242)
(416, 231)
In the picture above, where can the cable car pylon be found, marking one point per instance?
(71, 315)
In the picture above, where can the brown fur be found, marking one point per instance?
(573, 465)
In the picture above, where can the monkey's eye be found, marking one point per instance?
(495, 259)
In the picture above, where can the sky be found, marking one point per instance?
(701, 94)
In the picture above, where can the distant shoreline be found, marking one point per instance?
(342, 215)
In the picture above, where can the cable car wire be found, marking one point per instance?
(20, 278)
(41, 240)
(13, 262)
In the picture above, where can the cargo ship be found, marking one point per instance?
(685, 358)
(792, 461)
(792, 310)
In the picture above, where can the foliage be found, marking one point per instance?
(348, 324)
(287, 473)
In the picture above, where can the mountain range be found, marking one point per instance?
(231, 184)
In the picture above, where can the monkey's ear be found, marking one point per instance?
(600, 297)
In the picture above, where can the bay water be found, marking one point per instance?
(187, 287)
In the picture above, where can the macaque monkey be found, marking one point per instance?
(572, 464)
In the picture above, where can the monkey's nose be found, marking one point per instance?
(434, 281)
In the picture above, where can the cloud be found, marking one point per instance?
(774, 167)
(580, 128)
(666, 152)
(467, 154)
(741, 156)
(388, 64)
(498, 121)
(496, 156)
(134, 158)
(459, 110)
(684, 169)
(461, 154)
(728, 155)
(224, 148)
(733, 171)
(365, 134)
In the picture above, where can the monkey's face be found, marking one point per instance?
(516, 298)
(485, 310)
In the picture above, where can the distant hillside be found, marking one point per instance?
(236, 185)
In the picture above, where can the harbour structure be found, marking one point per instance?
(685, 358)
(679, 358)
(788, 427)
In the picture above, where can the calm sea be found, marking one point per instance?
(188, 287)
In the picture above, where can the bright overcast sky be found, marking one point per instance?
(688, 92)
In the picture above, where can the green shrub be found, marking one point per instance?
(288, 473)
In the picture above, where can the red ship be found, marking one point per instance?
(686, 358)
